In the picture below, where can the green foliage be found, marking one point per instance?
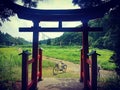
(111, 36)
(112, 83)
(67, 75)
(98, 43)
(9, 61)
(5, 12)
(87, 3)
(49, 42)
(47, 64)
(6, 39)
(68, 38)
(65, 53)
(10, 54)
(104, 59)
(30, 3)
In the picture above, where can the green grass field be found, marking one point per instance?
(10, 61)
(72, 54)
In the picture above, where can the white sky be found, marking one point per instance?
(13, 27)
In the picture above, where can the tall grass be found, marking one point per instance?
(9, 61)
(10, 55)
(72, 54)
(111, 83)
(104, 59)
(47, 63)
(10, 64)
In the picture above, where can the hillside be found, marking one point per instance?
(6, 39)
(68, 38)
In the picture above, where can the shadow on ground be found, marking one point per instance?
(60, 84)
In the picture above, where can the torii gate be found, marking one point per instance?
(83, 15)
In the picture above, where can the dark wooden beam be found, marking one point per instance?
(95, 29)
(60, 17)
(17, 8)
(74, 14)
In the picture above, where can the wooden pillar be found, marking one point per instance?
(35, 54)
(81, 67)
(40, 65)
(24, 70)
(85, 52)
(94, 71)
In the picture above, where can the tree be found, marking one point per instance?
(68, 38)
(111, 25)
(48, 41)
(6, 39)
(88, 3)
(30, 3)
(5, 12)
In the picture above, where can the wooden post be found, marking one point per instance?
(81, 69)
(40, 65)
(60, 24)
(35, 54)
(85, 57)
(24, 70)
(94, 71)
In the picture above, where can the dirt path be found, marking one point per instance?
(75, 68)
(71, 67)
(60, 84)
(66, 84)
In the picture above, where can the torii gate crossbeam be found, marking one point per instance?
(81, 29)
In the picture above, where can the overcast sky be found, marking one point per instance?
(12, 27)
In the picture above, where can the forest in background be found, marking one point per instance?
(105, 39)
(8, 40)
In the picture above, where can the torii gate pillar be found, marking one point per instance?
(35, 54)
(85, 52)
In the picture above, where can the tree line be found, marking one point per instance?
(8, 40)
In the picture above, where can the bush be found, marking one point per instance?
(111, 84)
